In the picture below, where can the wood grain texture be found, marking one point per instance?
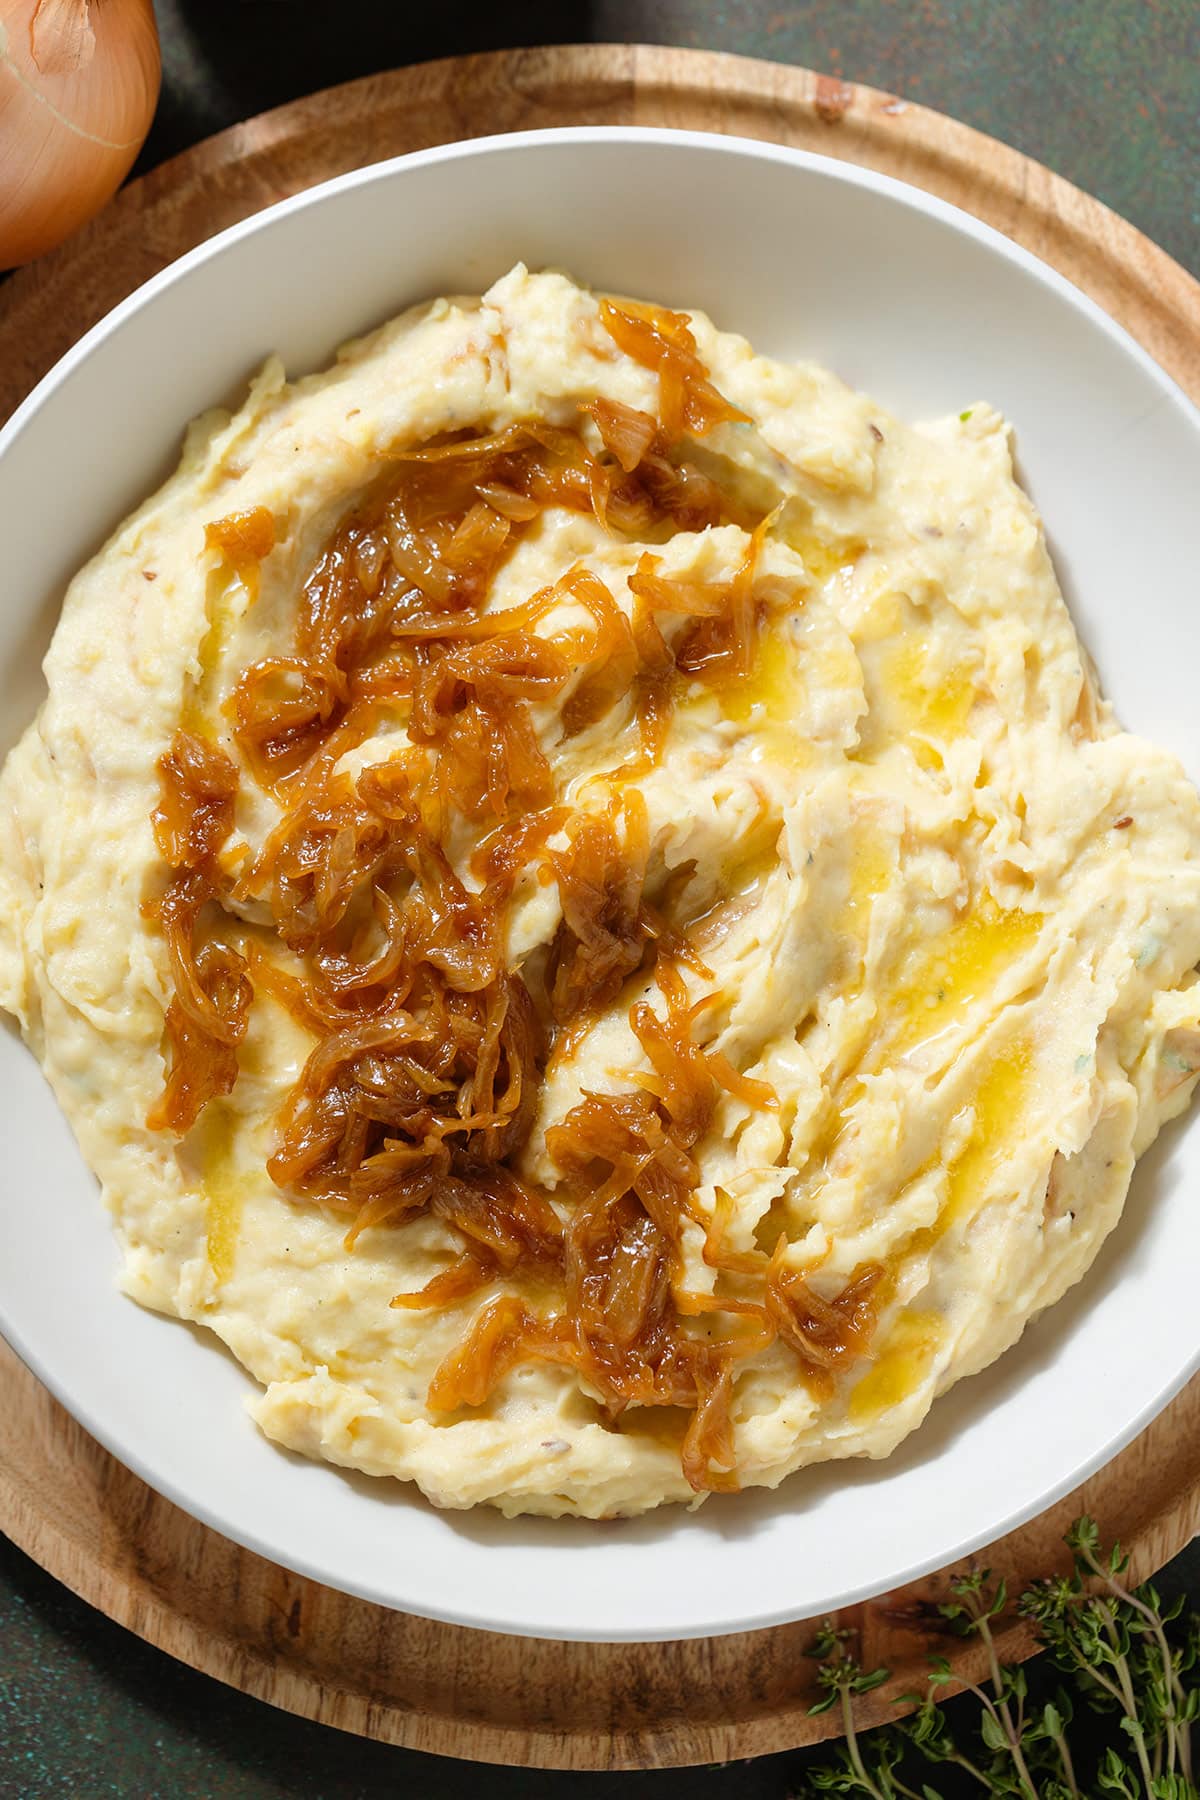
(46, 308)
(523, 1701)
(196, 1595)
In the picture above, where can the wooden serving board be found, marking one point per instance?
(98, 1528)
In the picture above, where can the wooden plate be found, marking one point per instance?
(102, 1531)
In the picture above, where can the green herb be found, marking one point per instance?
(1121, 1654)
(964, 416)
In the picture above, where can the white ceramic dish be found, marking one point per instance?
(903, 296)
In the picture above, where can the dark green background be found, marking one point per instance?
(1105, 91)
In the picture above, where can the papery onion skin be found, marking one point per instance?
(79, 82)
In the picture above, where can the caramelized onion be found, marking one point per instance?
(498, 1339)
(662, 340)
(430, 1049)
(468, 1273)
(625, 433)
(208, 1014)
(602, 937)
(707, 1455)
(283, 708)
(202, 1068)
(197, 788)
(827, 1335)
(244, 539)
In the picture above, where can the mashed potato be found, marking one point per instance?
(923, 918)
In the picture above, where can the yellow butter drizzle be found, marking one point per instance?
(769, 700)
(869, 875)
(821, 557)
(937, 982)
(224, 1186)
(940, 980)
(750, 859)
(881, 615)
(771, 696)
(900, 1366)
(749, 862)
(935, 700)
(999, 1108)
(200, 701)
(999, 1104)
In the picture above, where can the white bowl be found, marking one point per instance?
(906, 298)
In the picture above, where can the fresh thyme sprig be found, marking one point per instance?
(1121, 1652)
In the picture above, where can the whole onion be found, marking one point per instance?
(78, 86)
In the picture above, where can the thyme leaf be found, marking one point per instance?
(1123, 1656)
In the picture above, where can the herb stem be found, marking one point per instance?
(852, 1749)
(1067, 1762)
(902, 1787)
(1092, 1673)
(1177, 1742)
(1128, 1700)
(1005, 1718)
(1120, 1656)
(964, 1762)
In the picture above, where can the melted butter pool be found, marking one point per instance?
(942, 979)
(224, 1184)
(1000, 1102)
(869, 875)
(821, 556)
(933, 699)
(769, 700)
(900, 1366)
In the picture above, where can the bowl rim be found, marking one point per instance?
(650, 137)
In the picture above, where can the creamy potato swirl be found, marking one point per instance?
(932, 916)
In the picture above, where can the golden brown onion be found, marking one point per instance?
(429, 1049)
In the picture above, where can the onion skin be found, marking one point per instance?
(79, 81)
